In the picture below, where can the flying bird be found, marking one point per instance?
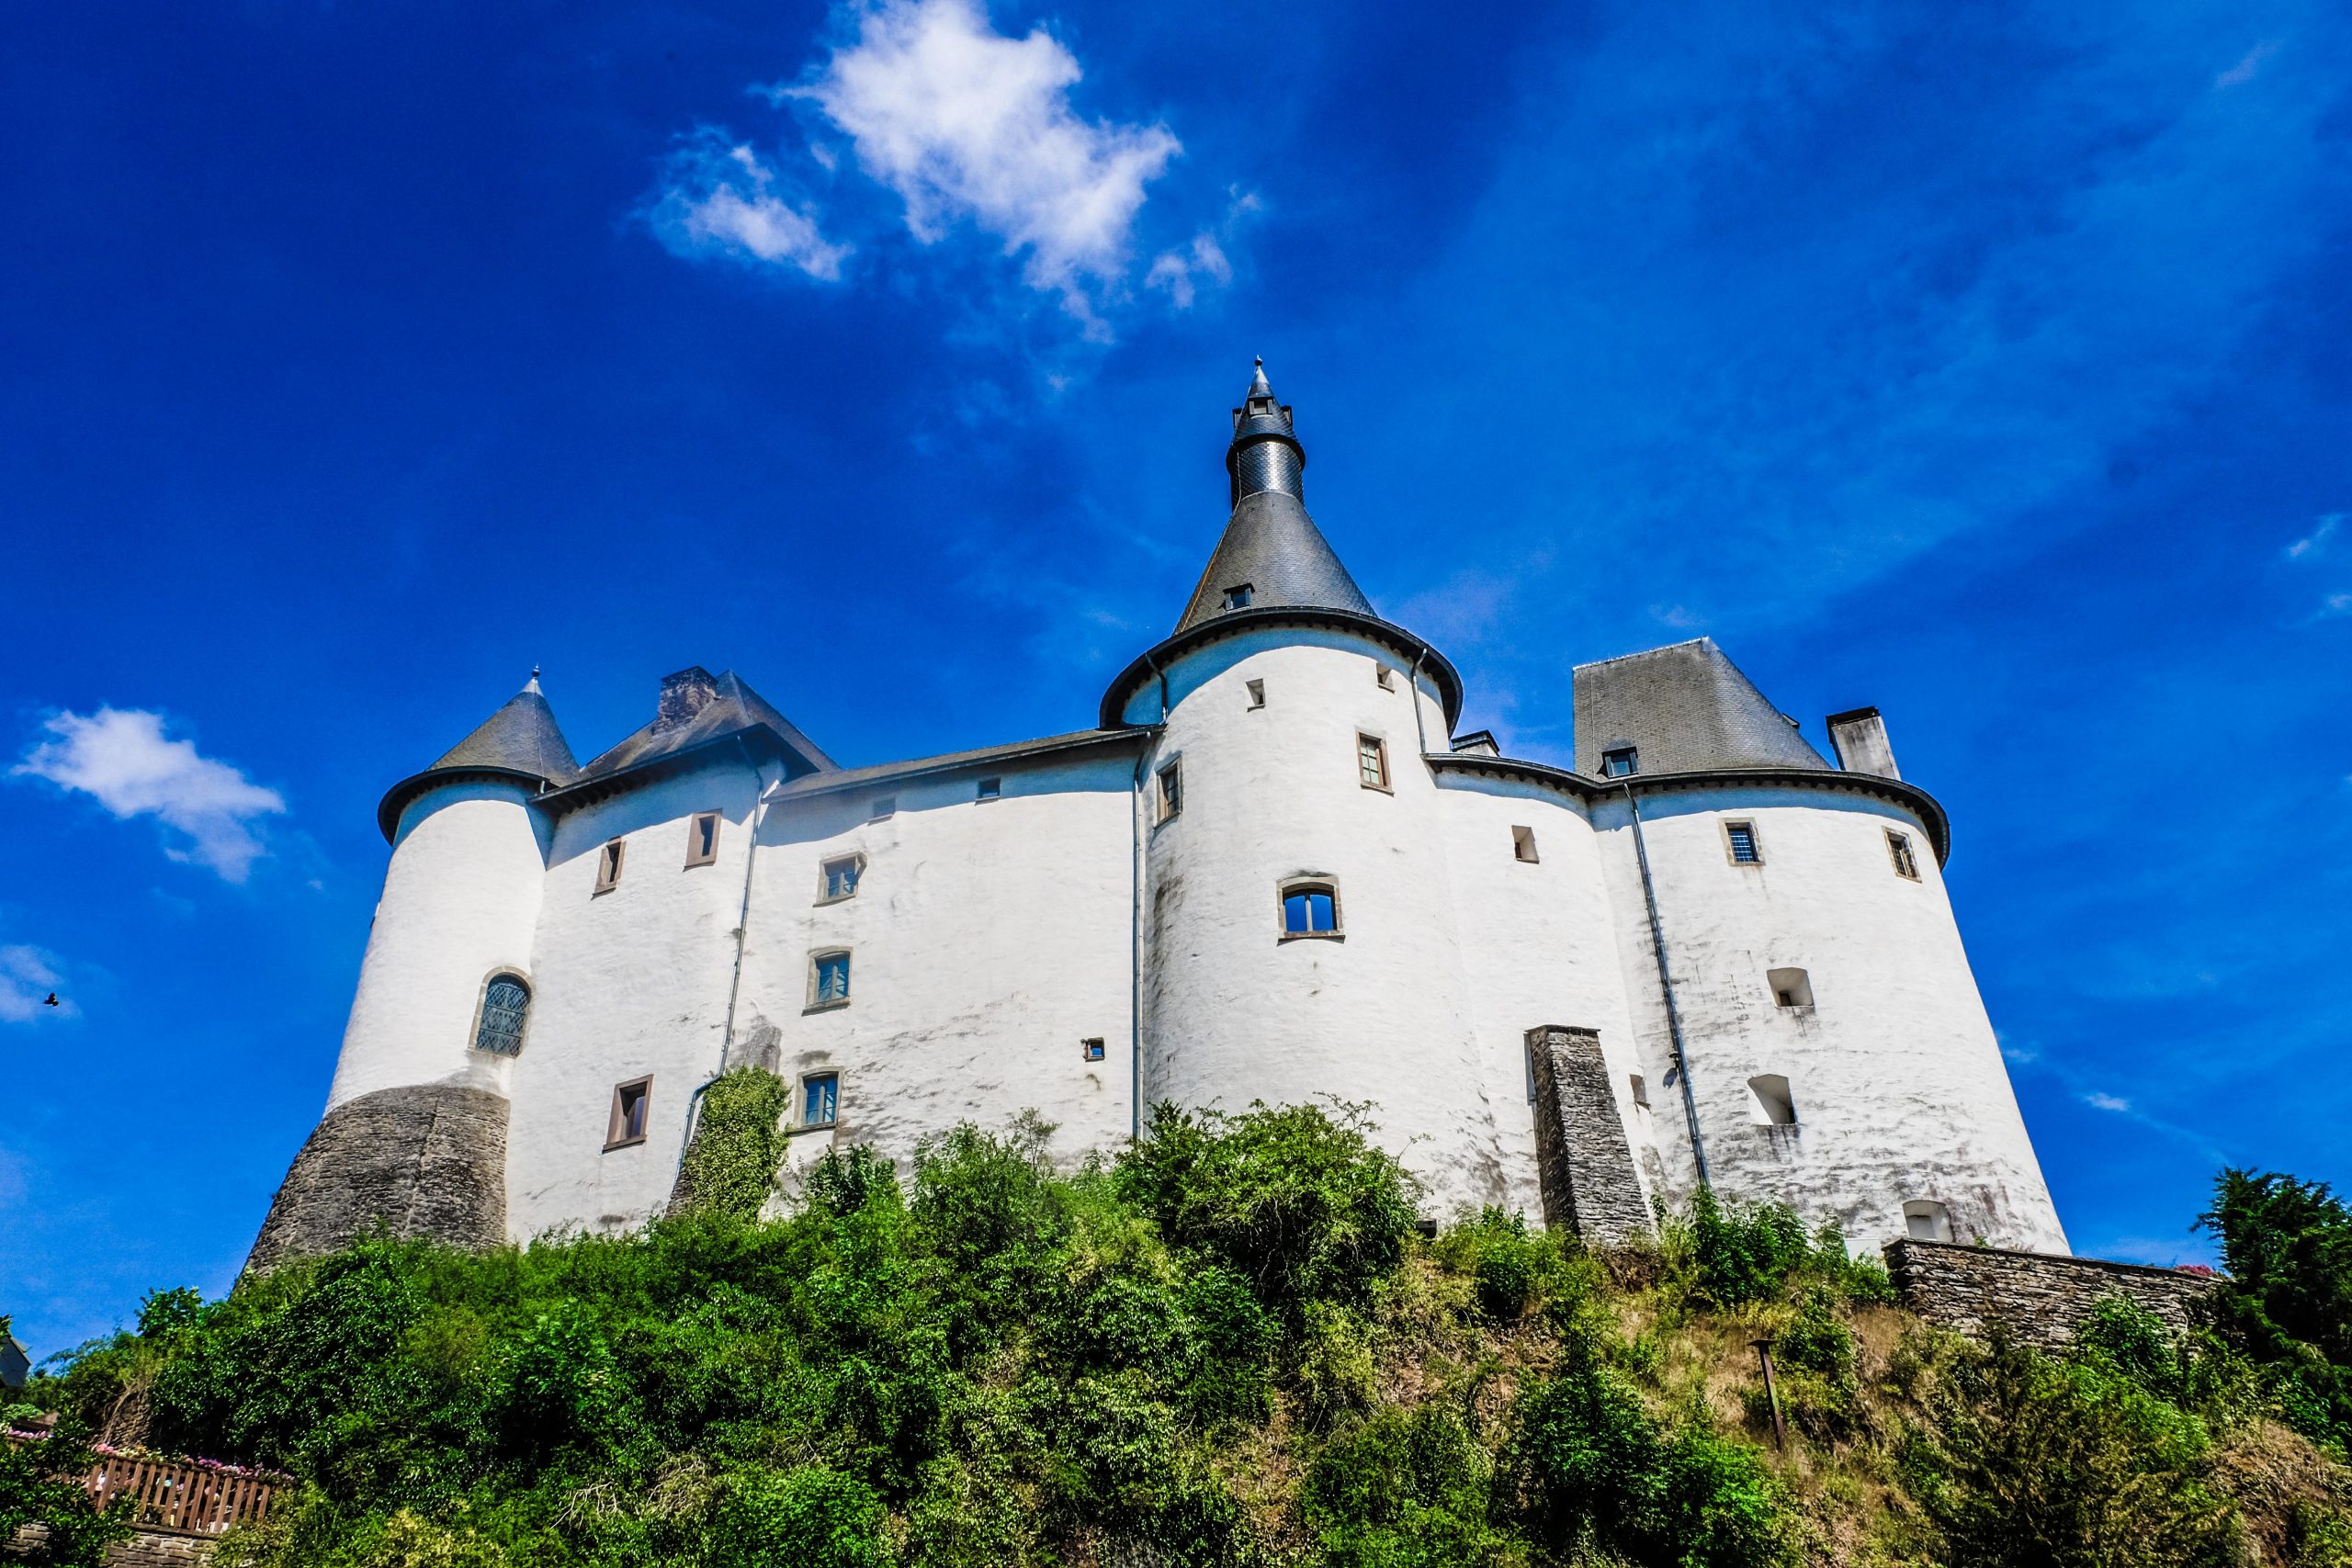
(52, 1000)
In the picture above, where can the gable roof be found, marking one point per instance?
(731, 711)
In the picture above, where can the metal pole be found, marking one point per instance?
(1772, 1392)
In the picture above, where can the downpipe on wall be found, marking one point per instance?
(1666, 988)
(742, 929)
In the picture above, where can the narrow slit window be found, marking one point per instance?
(505, 1008)
(1092, 1048)
(1739, 843)
(1770, 1103)
(1257, 694)
(1371, 762)
(885, 807)
(1899, 849)
(1170, 798)
(1641, 1090)
(1385, 676)
(702, 839)
(838, 879)
(1310, 908)
(608, 865)
(1522, 845)
(1924, 1219)
(632, 1111)
(991, 789)
(828, 980)
(1791, 990)
(1237, 596)
(1620, 762)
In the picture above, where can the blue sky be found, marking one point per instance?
(1989, 364)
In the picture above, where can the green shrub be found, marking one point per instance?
(1403, 1489)
(40, 1483)
(2287, 1247)
(810, 1517)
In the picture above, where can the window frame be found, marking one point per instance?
(988, 789)
(1257, 690)
(1238, 597)
(619, 1121)
(1936, 1213)
(1093, 1048)
(1784, 1099)
(481, 1008)
(855, 859)
(817, 958)
(800, 1123)
(885, 806)
(695, 856)
(1379, 744)
(1904, 858)
(1801, 988)
(1309, 882)
(1731, 844)
(1166, 802)
(1609, 755)
(612, 857)
(1383, 676)
(1522, 845)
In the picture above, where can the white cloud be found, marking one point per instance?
(120, 758)
(2247, 67)
(29, 977)
(2098, 1101)
(2336, 604)
(720, 199)
(2315, 542)
(963, 122)
(1174, 271)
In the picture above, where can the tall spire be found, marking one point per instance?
(1271, 556)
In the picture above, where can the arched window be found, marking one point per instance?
(1310, 908)
(506, 1004)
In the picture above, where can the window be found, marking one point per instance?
(1620, 762)
(837, 879)
(1523, 844)
(608, 865)
(1371, 762)
(1768, 1104)
(1385, 676)
(820, 1100)
(1094, 1049)
(505, 1003)
(1791, 989)
(1641, 1090)
(702, 839)
(632, 1107)
(1237, 596)
(1739, 843)
(1171, 798)
(1310, 908)
(885, 807)
(1257, 694)
(828, 980)
(991, 789)
(1926, 1219)
(1899, 849)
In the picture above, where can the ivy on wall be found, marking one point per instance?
(738, 1143)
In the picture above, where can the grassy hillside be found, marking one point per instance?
(1229, 1346)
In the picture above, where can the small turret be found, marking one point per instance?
(1265, 454)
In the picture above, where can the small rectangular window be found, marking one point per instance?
(1739, 843)
(1620, 762)
(1899, 849)
(608, 865)
(1640, 1090)
(991, 789)
(1385, 676)
(1093, 1050)
(838, 879)
(885, 807)
(1237, 596)
(1371, 762)
(1257, 694)
(1523, 844)
(1310, 908)
(632, 1109)
(828, 980)
(820, 1100)
(1171, 797)
(702, 839)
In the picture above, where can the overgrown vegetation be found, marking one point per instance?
(1226, 1347)
(730, 1165)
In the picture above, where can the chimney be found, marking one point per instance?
(685, 695)
(1860, 737)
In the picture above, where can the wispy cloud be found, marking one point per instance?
(720, 199)
(2249, 65)
(120, 758)
(29, 977)
(2115, 1102)
(2315, 542)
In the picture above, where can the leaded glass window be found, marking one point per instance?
(1741, 837)
(504, 1002)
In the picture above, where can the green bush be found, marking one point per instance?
(2287, 1247)
(738, 1143)
(1403, 1489)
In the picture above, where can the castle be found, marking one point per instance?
(1270, 870)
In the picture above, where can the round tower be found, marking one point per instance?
(414, 1134)
(1295, 925)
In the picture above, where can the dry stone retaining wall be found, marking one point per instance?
(2040, 1298)
(1581, 1155)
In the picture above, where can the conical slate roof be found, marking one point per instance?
(521, 737)
(1684, 708)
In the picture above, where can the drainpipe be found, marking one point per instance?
(1420, 730)
(742, 929)
(1666, 988)
(1135, 955)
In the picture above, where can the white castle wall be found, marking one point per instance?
(460, 901)
(1232, 1012)
(1898, 1081)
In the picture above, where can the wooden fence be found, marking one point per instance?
(184, 1496)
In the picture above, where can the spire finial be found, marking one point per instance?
(1259, 386)
(533, 683)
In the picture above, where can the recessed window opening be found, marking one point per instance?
(991, 789)
(1092, 1049)
(1899, 849)
(1237, 596)
(506, 1004)
(1620, 762)
(1371, 762)
(837, 879)
(885, 807)
(1641, 1090)
(820, 1100)
(1768, 1102)
(1385, 676)
(1791, 989)
(632, 1109)
(829, 979)
(1739, 843)
(1522, 845)
(1257, 694)
(1924, 1219)
(608, 865)
(702, 839)
(1170, 798)
(1310, 908)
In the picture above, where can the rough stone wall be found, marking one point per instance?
(427, 1161)
(1590, 1184)
(2040, 1298)
(150, 1549)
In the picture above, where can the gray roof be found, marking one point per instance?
(521, 737)
(1274, 546)
(953, 761)
(734, 709)
(1686, 709)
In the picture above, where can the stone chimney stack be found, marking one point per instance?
(1860, 737)
(683, 696)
